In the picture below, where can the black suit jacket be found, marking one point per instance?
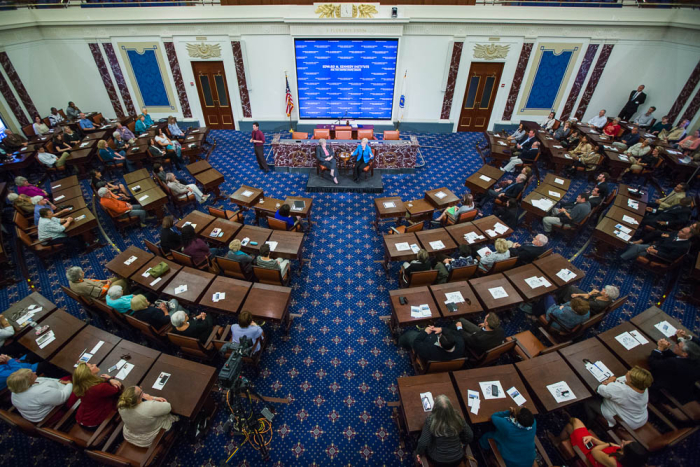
(513, 190)
(633, 104)
(528, 144)
(674, 215)
(153, 316)
(603, 188)
(482, 341)
(675, 374)
(670, 250)
(321, 156)
(509, 216)
(527, 253)
(169, 240)
(425, 347)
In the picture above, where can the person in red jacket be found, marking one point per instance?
(98, 395)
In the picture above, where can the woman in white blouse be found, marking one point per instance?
(39, 126)
(143, 416)
(36, 397)
(626, 397)
(549, 123)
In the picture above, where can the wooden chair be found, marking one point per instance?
(271, 276)
(368, 170)
(178, 201)
(29, 131)
(572, 230)
(120, 222)
(422, 367)
(186, 260)
(192, 347)
(343, 128)
(481, 154)
(277, 224)
(546, 253)
(464, 217)
(15, 420)
(649, 436)
(490, 356)
(502, 265)
(468, 461)
(557, 336)
(235, 216)
(113, 315)
(369, 134)
(253, 359)
(462, 274)
(154, 248)
(25, 224)
(493, 456)
(74, 436)
(156, 336)
(98, 119)
(556, 125)
(401, 229)
(322, 133)
(417, 279)
(41, 251)
(686, 414)
(320, 168)
(658, 265)
(300, 135)
(391, 135)
(528, 346)
(609, 199)
(128, 455)
(231, 268)
(53, 172)
(87, 304)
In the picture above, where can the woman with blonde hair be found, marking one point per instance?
(143, 416)
(97, 394)
(36, 397)
(175, 131)
(326, 158)
(444, 435)
(502, 252)
(626, 397)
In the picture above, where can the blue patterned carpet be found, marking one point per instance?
(339, 366)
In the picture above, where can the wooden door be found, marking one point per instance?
(482, 87)
(213, 94)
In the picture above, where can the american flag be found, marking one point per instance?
(289, 99)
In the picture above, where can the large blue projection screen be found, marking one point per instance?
(346, 79)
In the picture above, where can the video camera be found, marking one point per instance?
(230, 372)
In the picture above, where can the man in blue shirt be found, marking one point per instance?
(10, 365)
(147, 118)
(515, 436)
(85, 123)
(364, 156)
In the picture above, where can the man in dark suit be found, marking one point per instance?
(529, 252)
(667, 248)
(671, 218)
(602, 182)
(636, 99)
(511, 191)
(482, 337)
(676, 368)
(434, 344)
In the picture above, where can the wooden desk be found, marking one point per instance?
(88, 143)
(266, 207)
(517, 277)
(228, 228)
(197, 167)
(153, 200)
(623, 202)
(416, 296)
(142, 186)
(75, 203)
(482, 285)
(479, 182)
(95, 135)
(441, 198)
(236, 292)
(66, 193)
(118, 267)
(80, 157)
(133, 177)
(542, 371)
(533, 212)
(197, 219)
(469, 307)
(244, 200)
(410, 404)
(552, 264)
(559, 182)
(141, 357)
(188, 387)
(64, 183)
(84, 341)
(290, 245)
(635, 356)
(419, 209)
(148, 281)
(137, 153)
(647, 320)
(305, 212)
(64, 326)
(507, 375)
(211, 180)
(84, 226)
(550, 191)
(392, 254)
(383, 212)
(591, 349)
(605, 232)
(196, 281)
(641, 195)
(680, 171)
(458, 231)
(17, 310)
(488, 223)
(616, 162)
(619, 215)
(255, 234)
(435, 235)
(271, 303)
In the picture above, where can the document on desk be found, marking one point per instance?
(567, 156)
(402, 246)
(561, 392)
(535, 282)
(454, 297)
(45, 339)
(484, 252)
(500, 228)
(629, 220)
(247, 193)
(441, 194)
(471, 237)
(639, 337)
(554, 194)
(437, 245)
(97, 347)
(543, 204)
(272, 244)
(623, 228)
(516, 396)
(161, 380)
(426, 399)
(389, 204)
(485, 178)
(124, 372)
(415, 248)
(156, 281)
(627, 340)
(218, 296)
(566, 275)
(180, 289)
(472, 396)
(498, 292)
(492, 233)
(633, 204)
(599, 370)
(558, 181)
(146, 274)
(492, 390)
(502, 143)
(623, 236)
(666, 328)
(130, 260)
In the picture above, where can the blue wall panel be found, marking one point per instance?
(149, 77)
(550, 73)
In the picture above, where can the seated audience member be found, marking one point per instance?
(97, 394)
(9, 365)
(676, 133)
(326, 157)
(165, 142)
(595, 198)
(663, 125)
(52, 230)
(39, 126)
(583, 147)
(612, 128)
(236, 254)
(91, 288)
(282, 214)
(453, 213)
(644, 120)
(602, 454)
(518, 134)
(120, 208)
(444, 436)
(97, 182)
(599, 121)
(511, 191)
(639, 150)
(108, 154)
(179, 189)
(60, 144)
(55, 117)
(195, 247)
(549, 122)
(140, 126)
(51, 160)
(26, 188)
(571, 216)
(598, 300)
(508, 213)
(628, 139)
(529, 252)
(667, 248)
(626, 396)
(572, 140)
(248, 328)
(569, 314)
(563, 131)
(13, 142)
(589, 161)
(689, 143)
(421, 263)
(175, 131)
(120, 143)
(125, 134)
(43, 203)
(434, 344)
(464, 257)
(85, 123)
(71, 136)
(362, 156)
(442, 267)
(264, 261)
(157, 315)
(146, 118)
(35, 397)
(72, 111)
(117, 300)
(6, 331)
(526, 144)
(676, 367)
(528, 153)
(482, 337)
(514, 436)
(143, 416)
(199, 327)
(159, 171)
(602, 182)
(673, 198)
(672, 218)
(23, 203)
(170, 239)
(502, 252)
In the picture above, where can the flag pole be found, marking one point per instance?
(286, 84)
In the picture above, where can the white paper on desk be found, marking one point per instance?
(627, 340)
(272, 244)
(420, 311)
(492, 233)
(190, 137)
(471, 237)
(84, 144)
(558, 181)
(498, 292)
(633, 204)
(475, 407)
(484, 252)
(567, 156)
(45, 339)
(534, 282)
(425, 310)
(437, 245)
(502, 143)
(80, 218)
(146, 274)
(426, 399)
(389, 204)
(558, 147)
(543, 204)
(97, 347)
(554, 193)
(130, 260)
(24, 319)
(561, 392)
(143, 197)
(55, 186)
(487, 390)
(623, 236)
(472, 396)
(485, 178)
(415, 248)
(402, 246)
(639, 337)
(649, 135)
(566, 275)
(247, 193)
(599, 370)
(666, 328)
(59, 198)
(454, 297)
(218, 296)
(629, 220)
(124, 372)
(500, 228)
(440, 195)
(158, 385)
(673, 151)
(180, 289)
(156, 281)
(516, 396)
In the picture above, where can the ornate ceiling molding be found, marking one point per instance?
(491, 51)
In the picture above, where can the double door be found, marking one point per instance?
(482, 87)
(213, 94)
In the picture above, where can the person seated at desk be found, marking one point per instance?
(599, 121)
(514, 436)
(143, 416)
(236, 254)
(119, 142)
(598, 300)
(442, 267)
(568, 315)
(482, 337)
(175, 130)
(13, 142)
(164, 142)
(639, 150)
(434, 344)
(527, 154)
(518, 135)
(140, 126)
(199, 327)
(326, 157)
(612, 128)
(43, 203)
(26, 188)
(125, 133)
(364, 156)
(644, 120)
(195, 247)
(549, 122)
(444, 435)
(60, 144)
(675, 134)
(508, 213)
(663, 125)
(673, 198)
(70, 136)
(529, 252)
(55, 117)
(51, 160)
(282, 214)
(526, 142)
(97, 395)
(119, 208)
(98, 182)
(9, 365)
(35, 397)
(572, 140)
(571, 216)
(117, 300)
(672, 218)
(502, 252)
(23, 203)
(170, 239)
(6, 330)
(464, 257)
(583, 146)
(667, 248)
(689, 143)
(146, 118)
(39, 126)
(248, 328)
(85, 123)
(108, 154)
(676, 367)
(180, 189)
(602, 454)
(563, 131)
(626, 396)
(421, 263)
(72, 111)
(628, 140)
(52, 230)
(264, 261)
(511, 191)
(454, 212)
(91, 288)
(157, 315)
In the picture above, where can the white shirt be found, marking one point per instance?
(598, 121)
(36, 402)
(47, 158)
(5, 333)
(162, 139)
(622, 400)
(548, 124)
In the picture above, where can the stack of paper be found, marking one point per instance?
(566, 275)
(45, 339)
(454, 297)
(218, 296)
(535, 282)
(471, 237)
(492, 233)
(422, 311)
(247, 193)
(498, 292)
(426, 399)
(440, 194)
(632, 203)
(666, 328)
(273, 245)
(485, 178)
(561, 392)
(402, 246)
(622, 235)
(629, 220)
(437, 245)
(415, 248)
(389, 204)
(630, 340)
(500, 228)
(543, 204)
(599, 371)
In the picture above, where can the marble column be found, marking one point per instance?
(578, 82)
(106, 79)
(595, 78)
(451, 80)
(119, 78)
(18, 85)
(177, 77)
(12, 102)
(517, 80)
(684, 94)
(240, 73)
